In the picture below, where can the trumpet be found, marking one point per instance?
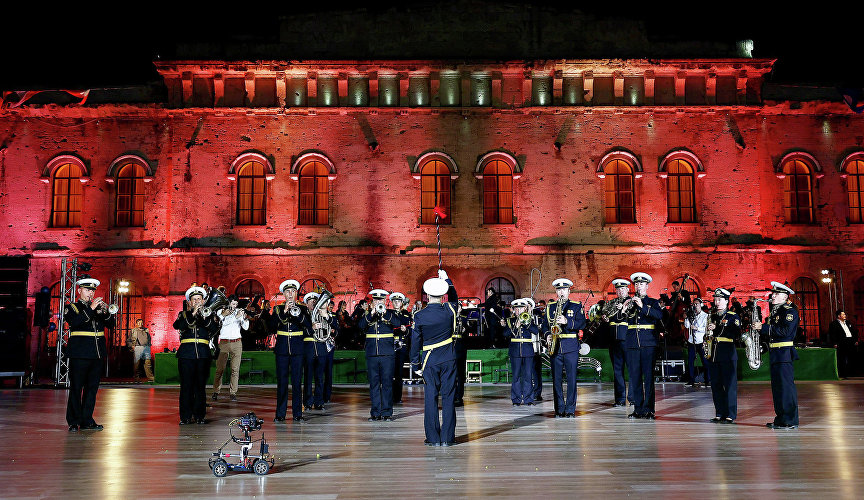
(295, 310)
(525, 318)
(380, 308)
(111, 309)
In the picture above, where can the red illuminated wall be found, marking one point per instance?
(375, 235)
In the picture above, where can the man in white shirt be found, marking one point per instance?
(230, 345)
(695, 323)
(843, 337)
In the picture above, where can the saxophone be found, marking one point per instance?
(751, 338)
(555, 328)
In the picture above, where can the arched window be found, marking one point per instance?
(248, 289)
(797, 192)
(497, 193)
(619, 202)
(66, 196)
(129, 210)
(680, 191)
(434, 191)
(504, 287)
(314, 194)
(858, 304)
(251, 194)
(807, 299)
(691, 286)
(854, 177)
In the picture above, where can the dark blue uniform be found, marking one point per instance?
(781, 328)
(537, 379)
(641, 344)
(400, 356)
(328, 360)
(565, 359)
(86, 351)
(461, 358)
(193, 362)
(290, 351)
(617, 328)
(433, 352)
(380, 354)
(521, 359)
(723, 366)
(316, 366)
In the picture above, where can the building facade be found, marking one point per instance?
(249, 173)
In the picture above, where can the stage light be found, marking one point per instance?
(826, 272)
(826, 280)
(124, 283)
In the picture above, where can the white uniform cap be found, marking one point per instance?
(195, 290)
(562, 283)
(379, 293)
(435, 287)
(289, 284)
(620, 282)
(517, 303)
(90, 283)
(780, 287)
(722, 292)
(529, 302)
(397, 296)
(311, 295)
(641, 278)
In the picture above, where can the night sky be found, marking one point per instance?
(90, 47)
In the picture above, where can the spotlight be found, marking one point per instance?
(557, 146)
(84, 266)
(826, 280)
(826, 272)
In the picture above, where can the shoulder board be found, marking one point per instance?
(74, 308)
(787, 306)
(732, 313)
(576, 301)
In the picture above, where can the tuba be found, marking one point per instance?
(325, 333)
(215, 300)
(751, 338)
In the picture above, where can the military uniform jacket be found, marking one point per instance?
(617, 325)
(379, 331)
(81, 318)
(193, 326)
(643, 324)
(280, 320)
(434, 325)
(515, 329)
(319, 348)
(782, 326)
(726, 326)
(572, 311)
(405, 320)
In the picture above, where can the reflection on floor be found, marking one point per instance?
(503, 450)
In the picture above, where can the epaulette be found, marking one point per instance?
(72, 305)
(788, 306)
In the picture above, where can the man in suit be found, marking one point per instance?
(843, 336)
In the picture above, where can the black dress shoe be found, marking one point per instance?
(727, 420)
(387, 418)
(571, 415)
(279, 419)
(318, 407)
(649, 416)
(428, 443)
(517, 404)
(300, 419)
(200, 421)
(714, 420)
(73, 428)
(185, 421)
(635, 415)
(617, 405)
(782, 426)
(459, 403)
(373, 419)
(560, 415)
(92, 427)
(449, 443)
(538, 398)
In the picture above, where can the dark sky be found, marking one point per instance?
(91, 47)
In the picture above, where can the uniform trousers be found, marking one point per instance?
(328, 375)
(640, 366)
(618, 355)
(440, 380)
(784, 393)
(399, 359)
(291, 365)
(692, 351)
(564, 367)
(313, 395)
(537, 379)
(84, 375)
(194, 373)
(380, 371)
(724, 387)
(461, 359)
(521, 389)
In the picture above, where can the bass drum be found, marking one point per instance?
(584, 349)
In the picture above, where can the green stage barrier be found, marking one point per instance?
(259, 367)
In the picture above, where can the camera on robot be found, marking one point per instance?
(250, 422)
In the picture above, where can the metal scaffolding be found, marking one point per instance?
(68, 277)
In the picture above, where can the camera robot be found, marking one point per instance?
(259, 464)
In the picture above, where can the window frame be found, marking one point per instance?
(677, 177)
(617, 191)
(323, 175)
(61, 167)
(857, 177)
(498, 158)
(792, 178)
(443, 177)
(136, 181)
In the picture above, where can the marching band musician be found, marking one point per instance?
(537, 380)
(696, 322)
(563, 347)
(643, 316)
(230, 344)
(521, 331)
(332, 317)
(461, 358)
(724, 326)
(290, 322)
(87, 319)
(618, 333)
(315, 353)
(379, 325)
(781, 328)
(432, 335)
(193, 356)
(400, 343)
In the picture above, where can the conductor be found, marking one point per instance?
(433, 356)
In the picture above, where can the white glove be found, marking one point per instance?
(419, 373)
(442, 274)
